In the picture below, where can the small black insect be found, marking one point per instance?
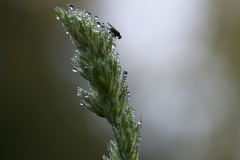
(114, 32)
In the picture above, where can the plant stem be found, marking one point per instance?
(96, 61)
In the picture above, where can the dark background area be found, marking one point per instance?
(33, 102)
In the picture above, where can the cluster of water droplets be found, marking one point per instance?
(133, 114)
(114, 54)
(109, 148)
(79, 91)
(124, 76)
(78, 13)
(82, 93)
(117, 57)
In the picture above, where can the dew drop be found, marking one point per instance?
(80, 89)
(125, 73)
(57, 17)
(87, 13)
(79, 18)
(96, 17)
(67, 32)
(81, 103)
(74, 69)
(133, 113)
(139, 137)
(140, 123)
(98, 24)
(119, 69)
(103, 25)
(70, 6)
(113, 46)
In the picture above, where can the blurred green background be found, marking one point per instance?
(40, 115)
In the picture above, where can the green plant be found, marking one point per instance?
(96, 61)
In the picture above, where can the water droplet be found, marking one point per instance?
(140, 123)
(96, 17)
(57, 17)
(70, 6)
(87, 13)
(113, 46)
(81, 103)
(78, 93)
(67, 32)
(133, 115)
(139, 137)
(103, 25)
(74, 69)
(79, 18)
(86, 96)
(119, 68)
(125, 73)
(117, 59)
(98, 27)
(98, 24)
